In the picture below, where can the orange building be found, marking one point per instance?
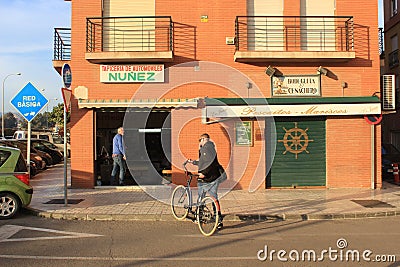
(282, 87)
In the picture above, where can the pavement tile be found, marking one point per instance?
(138, 203)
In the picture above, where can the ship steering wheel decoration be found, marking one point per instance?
(295, 140)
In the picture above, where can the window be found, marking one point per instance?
(44, 137)
(395, 42)
(4, 155)
(393, 7)
(21, 165)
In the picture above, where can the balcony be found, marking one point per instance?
(294, 38)
(394, 59)
(129, 39)
(62, 48)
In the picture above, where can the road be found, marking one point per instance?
(34, 241)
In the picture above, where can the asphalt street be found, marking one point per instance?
(33, 241)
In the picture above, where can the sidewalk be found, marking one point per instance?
(132, 203)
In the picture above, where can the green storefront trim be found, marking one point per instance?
(291, 100)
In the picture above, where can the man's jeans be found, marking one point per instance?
(118, 164)
(211, 188)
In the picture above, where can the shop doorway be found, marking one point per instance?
(147, 142)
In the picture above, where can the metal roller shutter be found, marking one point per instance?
(300, 156)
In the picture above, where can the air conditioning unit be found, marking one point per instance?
(388, 92)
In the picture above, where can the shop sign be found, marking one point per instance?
(296, 85)
(150, 73)
(293, 110)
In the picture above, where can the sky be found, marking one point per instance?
(26, 45)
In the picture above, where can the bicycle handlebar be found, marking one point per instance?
(185, 163)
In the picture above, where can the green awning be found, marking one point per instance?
(290, 100)
(287, 107)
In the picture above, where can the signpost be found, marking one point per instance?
(66, 93)
(373, 120)
(28, 102)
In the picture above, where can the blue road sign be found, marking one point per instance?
(66, 75)
(29, 101)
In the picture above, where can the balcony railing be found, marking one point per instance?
(394, 58)
(381, 41)
(62, 44)
(294, 33)
(129, 34)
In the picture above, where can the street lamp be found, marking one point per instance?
(2, 109)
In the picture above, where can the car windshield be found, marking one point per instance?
(58, 140)
(49, 144)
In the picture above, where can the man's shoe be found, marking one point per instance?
(220, 225)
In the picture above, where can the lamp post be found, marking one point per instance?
(2, 109)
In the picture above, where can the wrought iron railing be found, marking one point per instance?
(294, 33)
(62, 44)
(117, 34)
(381, 41)
(394, 58)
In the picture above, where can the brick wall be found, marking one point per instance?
(348, 149)
(205, 41)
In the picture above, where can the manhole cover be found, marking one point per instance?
(373, 204)
(61, 201)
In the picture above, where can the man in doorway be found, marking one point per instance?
(211, 173)
(119, 158)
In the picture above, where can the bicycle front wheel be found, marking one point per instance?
(180, 202)
(207, 216)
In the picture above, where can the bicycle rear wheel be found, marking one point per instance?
(207, 216)
(180, 202)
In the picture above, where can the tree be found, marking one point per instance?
(45, 120)
(9, 120)
(40, 121)
(56, 117)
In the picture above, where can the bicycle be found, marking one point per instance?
(204, 211)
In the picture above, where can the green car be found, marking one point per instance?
(15, 191)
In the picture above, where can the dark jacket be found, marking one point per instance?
(208, 162)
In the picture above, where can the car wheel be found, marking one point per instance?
(9, 205)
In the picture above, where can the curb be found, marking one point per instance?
(228, 217)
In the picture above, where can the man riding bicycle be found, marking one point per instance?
(211, 173)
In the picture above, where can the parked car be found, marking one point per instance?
(35, 155)
(36, 162)
(390, 155)
(15, 191)
(39, 144)
(55, 140)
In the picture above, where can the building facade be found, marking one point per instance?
(390, 127)
(282, 87)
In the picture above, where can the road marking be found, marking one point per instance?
(7, 231)
(129, 259)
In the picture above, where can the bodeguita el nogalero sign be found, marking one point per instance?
(296, 85)
(138, 73)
